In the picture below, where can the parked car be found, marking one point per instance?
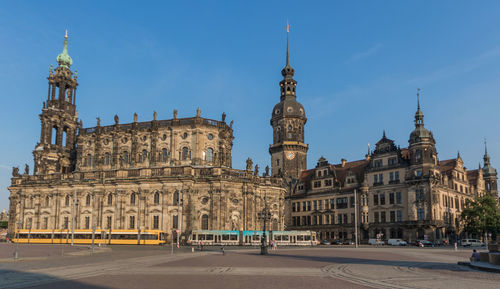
(375, 242)
(337, 242)
(325, 242)
(348, 242)
(424, 243)
(396, 242)
(471, 243)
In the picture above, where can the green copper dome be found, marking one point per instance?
(63, 59)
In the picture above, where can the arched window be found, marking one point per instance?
(156, 198)
(88, 160)
(87, 200)
(53, 135)
(107, 159)
(66, 201)
(164, 155)
(132, 199)
(175, 201)
(125, 157)
(204, 222)
(110, 199)
(144, 156)
(210, 155)
(47, 201)
(418, 154)
(64, 137)
(185, 153)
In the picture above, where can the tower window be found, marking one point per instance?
(156, 198)
(64, 137)
(125, 157)
(110, 199)
(185, 153)
(87, 200)
(164, 155)
(132, 199)
(53, 135)
(210, 155)
(107, 159)
(277, 162)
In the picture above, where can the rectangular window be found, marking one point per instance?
(341, 203)
(294, 207)
(345, 219)
(308, 205)
(420, 214)
(351, 201)
(87, 223)
(391, 176)
(375, 200)
(332, 204)
(156, 222)
(108, 222)
(391, 198)
(304, 206)
(315, 205)
(45, 222)
(65, 225)
(381, 178)
(327, 219)
(396, 175)
(317, 184)
(375, 179)
(328, 183)
(175, 222)
(382, 199)
(399, 214)
(393, 216)
(382, 217)
(353, 218)
(131, 223)
(375, 217)
(339, 219)
(320, 204)
(398, 198)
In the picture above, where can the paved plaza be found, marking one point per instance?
(156, 267)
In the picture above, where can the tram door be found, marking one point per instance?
(293, 239)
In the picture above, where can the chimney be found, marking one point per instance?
(343, 162)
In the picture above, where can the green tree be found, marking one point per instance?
(4, 224)
(481, 216)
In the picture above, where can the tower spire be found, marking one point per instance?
(418, 98)
(63, 59)
(287, 44)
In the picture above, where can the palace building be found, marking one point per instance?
(173, 174)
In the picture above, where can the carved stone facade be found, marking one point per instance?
(160, 174)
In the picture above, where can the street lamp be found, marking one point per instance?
(16, 252)
(264, 215)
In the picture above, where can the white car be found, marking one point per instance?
(472, 243)
(376, 242)
(397, 242)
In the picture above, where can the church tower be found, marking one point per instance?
(288, 151)
(422, 146)
(489, 174)
(55, 153)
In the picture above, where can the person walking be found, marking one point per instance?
(475, 256)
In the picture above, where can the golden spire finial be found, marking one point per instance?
(66, 34)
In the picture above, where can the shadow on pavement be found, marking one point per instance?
(392, 263)
(19, 279)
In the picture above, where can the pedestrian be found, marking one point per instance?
(475, 256)
(201, 243)
(222, 251)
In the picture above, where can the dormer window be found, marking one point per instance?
(319, 173)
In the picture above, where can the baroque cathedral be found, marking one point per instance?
(173, 175)
(177, 174)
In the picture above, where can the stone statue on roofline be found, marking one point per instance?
(249, 164)
(26, 169)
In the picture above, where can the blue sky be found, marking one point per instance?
(357, 63)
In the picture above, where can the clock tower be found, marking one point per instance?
(288, 151)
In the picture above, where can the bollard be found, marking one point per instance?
(192, 249)
(456, 248)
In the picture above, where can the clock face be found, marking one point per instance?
(290, 155)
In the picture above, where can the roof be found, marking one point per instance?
(472, 176)
(446, 166)
(357, 167)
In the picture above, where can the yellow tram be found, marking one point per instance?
(110, 237)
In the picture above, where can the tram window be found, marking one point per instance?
(225, 237)
(308, 238)
(210, 237)
(285, 238)
(277, 238)
(234, 237)
(300, 238)
(256, 237)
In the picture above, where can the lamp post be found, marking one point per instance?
(264, 215)
(16, 252)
